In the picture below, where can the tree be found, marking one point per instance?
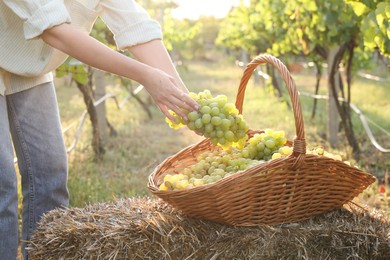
(244, 29)
(375, 25)
(82, 76)
(204, 42)
(179, 37)
(327, 30)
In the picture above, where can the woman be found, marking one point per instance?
(36, 37)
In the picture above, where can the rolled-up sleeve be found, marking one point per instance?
(129, 23)
(39, 15)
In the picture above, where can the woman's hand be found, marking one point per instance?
(168, 94)
(168, 89)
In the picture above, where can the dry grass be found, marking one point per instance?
(143, 228)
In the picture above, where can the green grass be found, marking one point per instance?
(143, 143)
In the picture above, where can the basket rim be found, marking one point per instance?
(248, 173)
(153, 184)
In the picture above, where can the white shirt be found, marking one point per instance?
(27, 61)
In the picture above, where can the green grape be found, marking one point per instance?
(205, 110)
(285, 150)
(222, 116)
(267, 151)
(208, 128)
(270, 143)
(198, 123)
(218, 159)
(260, 146)
(219, 133)
(229, 168)
(229, 135)
(276, 156)
(213, 104)
(206, 118)
(187, 172)
(211, 170)
(192, 116)
(222, 140)
(222, 166)
(191, 125)
(281, 140)
(216, 178)
(214, 163)
(219, 172)
(226, 124)
(225, 158)
(198, 182)
(245, 153)
(215, 111)
(254, 140)
(221, 98)
(216, 120)
(234, 127)
(240, 134)
(231, 108)
(198, 175)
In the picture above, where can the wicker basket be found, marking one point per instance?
(279, 191)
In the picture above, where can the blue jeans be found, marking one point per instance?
(32, 119)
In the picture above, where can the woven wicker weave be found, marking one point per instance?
(282, 190)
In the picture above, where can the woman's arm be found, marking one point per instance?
(156, 55)
(166, 90)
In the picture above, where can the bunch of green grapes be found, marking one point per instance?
(283, 151)
(174, 182)
(319, 150)
(262, 146)
(214, 165)
(209, 168)
(216, 119)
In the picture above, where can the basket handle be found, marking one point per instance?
(299, 145)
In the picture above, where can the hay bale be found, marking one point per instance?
(144, 228)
